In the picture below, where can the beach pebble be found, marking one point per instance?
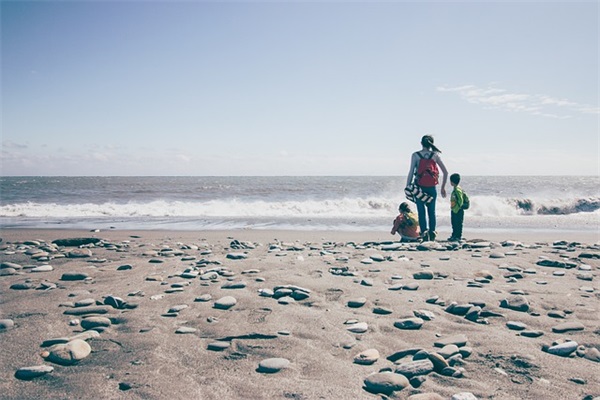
(234, 285)
(79, 253)
(177, 308)
(411, 286)
(409, 323)
(22, 286)
(68, 353)
(380, 310)
(218, 345)
(414, 368)
(358, 302)
(386, 382)
(516, 326)
(438, 361)
(74, 276)
(425, 315)
(448, 351)
(367, 357)
(531, 333)
(568, 327)
(203, 298)
(563, 349)
(185, 329)
(95, 323)
(366, 282)
(463, 396)
(27, 373)
(497, 255)
(273, 365)
(423, 275)
(6, 324)
(237, 256)
(592, 354)
(515, 302)
(358, 327)
(42, 268)
(225, 303)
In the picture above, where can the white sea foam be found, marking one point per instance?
(374, 207)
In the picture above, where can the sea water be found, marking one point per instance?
(346, 203)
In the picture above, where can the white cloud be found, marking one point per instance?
(9, 144)
(534, 104)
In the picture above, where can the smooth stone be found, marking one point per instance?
(463, 396)
(124, 267)
(225, 303)
(79, 253)
(95, 322)
(185, 329)
(42, 268)
(382, 310)
(448, 351)
(22, 286)
(411, 286)
(87, 310)
(10, 265)
(115, 302)
(74, 276)
(273, 365)
(515, 302)
(531, 333)
(563, 349)
(459, 340)
(203, 298)
(425, 315)
(516, 326)
(218, 345)
(69, 353)
(592, 354)
(27, 373)
(359, 327)
(386, 382)
(414, 368)
(423, 275)
(75, 242)
(6, 324)
(557, 314)
(367, 357)
(497, 255)
(85, 303)
(177, 308)
(366, 282)
(356, 303)
(438, 361)
(237, 256)
(409, 323)
(568, 327)
(234, 285)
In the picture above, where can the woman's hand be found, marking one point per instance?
(443, 191)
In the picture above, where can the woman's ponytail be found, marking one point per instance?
(427, 142)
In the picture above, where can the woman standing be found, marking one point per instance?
(424, 171)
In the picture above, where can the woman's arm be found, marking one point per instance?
(411, 171)
(445, 174)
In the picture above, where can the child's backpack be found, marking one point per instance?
(466, 202)
(427, 171)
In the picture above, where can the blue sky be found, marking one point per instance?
(298, 88)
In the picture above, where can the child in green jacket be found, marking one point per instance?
(457, 213)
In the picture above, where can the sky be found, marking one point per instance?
(298, 88)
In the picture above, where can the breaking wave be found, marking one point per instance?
(482, 206)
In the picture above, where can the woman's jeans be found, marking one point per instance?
(432, 191)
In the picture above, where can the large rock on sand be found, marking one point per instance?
(386, 382)
(69, 353)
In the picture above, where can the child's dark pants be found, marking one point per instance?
(457, 223)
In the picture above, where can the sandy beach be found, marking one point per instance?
(264, 314)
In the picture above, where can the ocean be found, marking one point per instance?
(343, 203)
